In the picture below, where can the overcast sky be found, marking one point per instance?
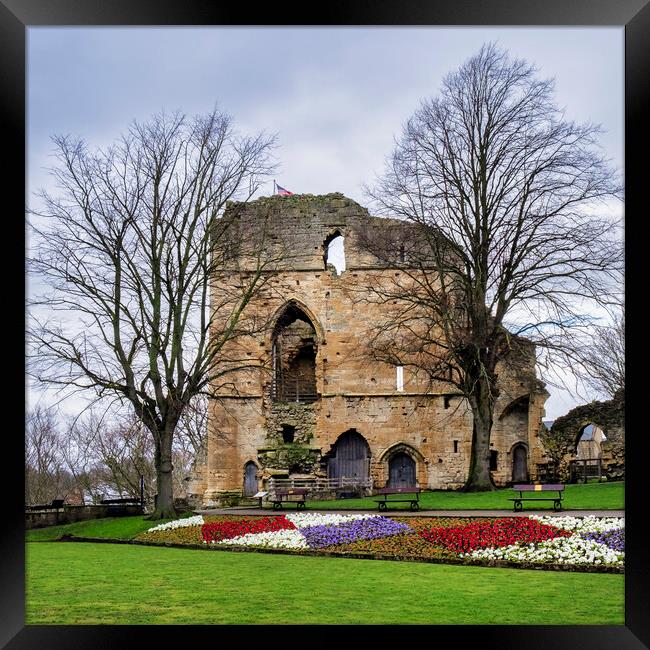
(336, 97)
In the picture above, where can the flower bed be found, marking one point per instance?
(217, 531)
(495, 533)
(587, 543)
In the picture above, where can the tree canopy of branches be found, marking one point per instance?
(603, 357)
(502, 192)
(130, 249)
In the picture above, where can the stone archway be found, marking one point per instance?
(402, 466)
(350, 457)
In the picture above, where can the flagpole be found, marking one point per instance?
(274, 187)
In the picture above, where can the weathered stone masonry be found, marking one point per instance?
(425, 430)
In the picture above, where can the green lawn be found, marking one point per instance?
(80, 583)
(114, 527)
(589, 496)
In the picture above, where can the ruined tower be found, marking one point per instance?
(322, 407)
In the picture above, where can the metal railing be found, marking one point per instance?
(293, 390)
(585, 468)
(321, 484)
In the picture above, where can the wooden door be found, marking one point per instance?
(250, 480)
(351, 458)
(401, 471)
(519, 464)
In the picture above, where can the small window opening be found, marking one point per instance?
(288, 433)
(493, 460)
(400, 377)
(335, 254)
(455, 446)
(401, 253)
(447, 401)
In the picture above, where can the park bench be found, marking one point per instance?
(281, 496)
(546, 487)
(385, 492)
(55, 505)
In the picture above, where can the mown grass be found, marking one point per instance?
(589, 496)
(82, 583)
(112, 527)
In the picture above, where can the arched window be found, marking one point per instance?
(294, 357)
(335, 253)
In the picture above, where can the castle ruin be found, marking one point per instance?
(321, 406)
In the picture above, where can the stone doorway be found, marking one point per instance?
(250, 479)
(350, 457)
(520, 464)
(401, 471)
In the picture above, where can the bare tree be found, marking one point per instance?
(44, 470)
(131, 250)
(603, 357)
(78, 451)
(507, 249)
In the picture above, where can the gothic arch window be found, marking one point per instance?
(293, 350)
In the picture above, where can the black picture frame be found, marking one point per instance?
(634, 15)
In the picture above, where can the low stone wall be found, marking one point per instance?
(70, 514)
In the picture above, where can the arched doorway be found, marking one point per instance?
(401, 470)
(350, 457)
(588, 447)
(250, 479)
(520, 464)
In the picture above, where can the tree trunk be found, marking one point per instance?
(164, 473)
(480, 478)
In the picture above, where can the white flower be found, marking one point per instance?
(305, 519)
(561, 550)
(196, 520)
(589, 524)
(275, 539)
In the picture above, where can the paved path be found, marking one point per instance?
(420, 513)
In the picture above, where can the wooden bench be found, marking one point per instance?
(385, 492)
(545, 487)
(283, 496)
(55, 505)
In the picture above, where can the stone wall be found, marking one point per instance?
(429, 422)
(562, 440)
(71, 514)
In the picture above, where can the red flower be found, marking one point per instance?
(499, 532)
(219, 530)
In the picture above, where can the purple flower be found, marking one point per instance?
(351, 531)
(615, 539)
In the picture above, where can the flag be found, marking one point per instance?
(282, 192)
